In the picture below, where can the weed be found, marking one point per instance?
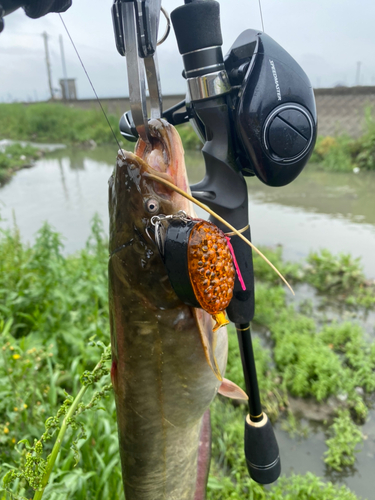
(53, 122)
(49, 122)
(333, 274)
(309, 487)
(343, 445)
(334, 154)
(15, 157)
(51, 305)
(339, 276)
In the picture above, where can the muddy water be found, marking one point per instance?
(318, 210)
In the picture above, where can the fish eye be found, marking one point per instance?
(152, 206)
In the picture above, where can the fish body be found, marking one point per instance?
(162, 381)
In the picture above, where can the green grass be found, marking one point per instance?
(343, 443)
(15, 157)
(49, 122)
(52, 305)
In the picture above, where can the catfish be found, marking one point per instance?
(167, 363)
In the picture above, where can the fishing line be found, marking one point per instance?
(261, 14)
(92, 86)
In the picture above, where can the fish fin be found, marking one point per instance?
(208, 339)
(230, 390)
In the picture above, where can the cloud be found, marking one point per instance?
(321, 36)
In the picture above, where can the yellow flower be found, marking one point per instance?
(13, 440)
(11, 348)
(25, 405)
(6, 430)
(15, 408)
(16, 356)
(4, 347)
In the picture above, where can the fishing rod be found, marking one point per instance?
(254, 110)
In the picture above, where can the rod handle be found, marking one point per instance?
(261, 451)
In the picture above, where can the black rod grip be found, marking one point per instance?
(197, 25)
(224, 190)
(262, 451)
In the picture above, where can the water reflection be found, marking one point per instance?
(319, 209)
(343, 195)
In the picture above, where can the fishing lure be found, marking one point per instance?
(200, 262)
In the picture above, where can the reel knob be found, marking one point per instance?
(288, 133)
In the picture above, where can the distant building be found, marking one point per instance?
(68, 89)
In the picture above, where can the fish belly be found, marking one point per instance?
(163, 386)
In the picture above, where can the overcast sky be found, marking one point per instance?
(327, 37)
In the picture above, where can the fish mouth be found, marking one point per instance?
(163, 156)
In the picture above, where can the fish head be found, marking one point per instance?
(134, 199)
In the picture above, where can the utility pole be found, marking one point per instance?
(45, 36)
(358, 74)
(66, 86)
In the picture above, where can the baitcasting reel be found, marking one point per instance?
(273, 109)
(271, 100)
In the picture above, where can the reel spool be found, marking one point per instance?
(198, 261)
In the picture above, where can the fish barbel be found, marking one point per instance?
(162, 379)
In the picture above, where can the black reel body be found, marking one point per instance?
(272, 110)
(275, 114)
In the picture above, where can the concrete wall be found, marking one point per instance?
(340, 109)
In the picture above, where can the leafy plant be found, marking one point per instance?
(15, 157)
(36, 470)
(334, 274)
(50, 307)
(343, 445)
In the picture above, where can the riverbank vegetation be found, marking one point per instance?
(14, 157)
(54, 122)
(57, 123)
(54, 324)
(343, 153)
